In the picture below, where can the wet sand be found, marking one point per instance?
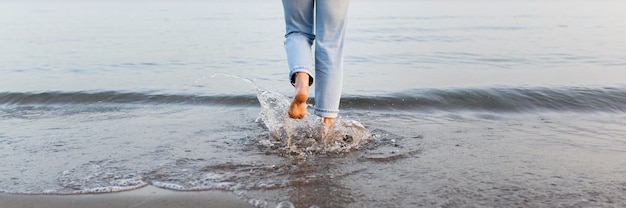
(145, 197)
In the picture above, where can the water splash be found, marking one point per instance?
(307, 135)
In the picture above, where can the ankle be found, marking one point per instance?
(301, 79)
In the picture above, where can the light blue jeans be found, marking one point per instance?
(322, 22)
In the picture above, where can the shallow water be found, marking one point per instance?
(446, 104)
(439, 157)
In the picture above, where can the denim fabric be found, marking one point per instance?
(321, 23)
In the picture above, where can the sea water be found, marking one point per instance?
(445, 103)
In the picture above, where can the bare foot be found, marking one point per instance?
(329, 121)
(298, 105)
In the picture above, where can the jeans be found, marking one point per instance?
(322, 22)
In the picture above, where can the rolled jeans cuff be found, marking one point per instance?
(292, 74)
(324, 113)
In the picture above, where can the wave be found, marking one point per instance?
(503, 99)
(114, 97)
(499, 100)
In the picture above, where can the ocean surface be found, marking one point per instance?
(445, 103)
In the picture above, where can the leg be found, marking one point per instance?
(330, 30)
(298, 40)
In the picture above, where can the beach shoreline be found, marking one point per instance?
(148, 196)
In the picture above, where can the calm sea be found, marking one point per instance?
(445, 103)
